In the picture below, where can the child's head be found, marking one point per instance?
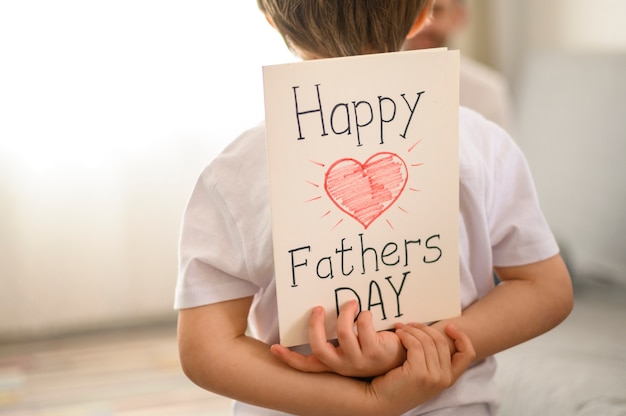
(333, 28)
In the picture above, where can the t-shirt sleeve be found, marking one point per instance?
(519, 231)
(212, 267)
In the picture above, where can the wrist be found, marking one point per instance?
(377, 402)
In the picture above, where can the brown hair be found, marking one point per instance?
(333, 28)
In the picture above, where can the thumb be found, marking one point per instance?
(465, 352)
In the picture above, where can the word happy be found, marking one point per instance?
(354, 116)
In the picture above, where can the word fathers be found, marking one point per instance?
(365, 262)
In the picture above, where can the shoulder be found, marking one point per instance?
(484, 146)
(242, 161)
(249, 146)
(478, 133)
(233, 188)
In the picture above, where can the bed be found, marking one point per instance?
(578, 368)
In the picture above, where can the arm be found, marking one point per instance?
(216, 354)
(531, 300)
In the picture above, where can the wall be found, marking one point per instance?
(502, 33)
(566, 61)
(572, 128)
(109, 110)
(577, 25)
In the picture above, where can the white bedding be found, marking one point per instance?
(578, 368)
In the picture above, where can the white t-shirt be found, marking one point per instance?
(226, 241)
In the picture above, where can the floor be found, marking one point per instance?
(114, 373)
(579, 369)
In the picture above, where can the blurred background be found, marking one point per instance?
(110, 109)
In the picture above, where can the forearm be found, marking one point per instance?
(530, 301)
(248, 372)
(236, 366)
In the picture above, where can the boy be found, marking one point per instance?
(226, 291)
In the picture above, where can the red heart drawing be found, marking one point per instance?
(365, 190)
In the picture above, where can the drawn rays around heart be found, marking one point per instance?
(318, 197)
(365, 223)
(315, 185)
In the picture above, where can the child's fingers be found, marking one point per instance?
(429, 361)
(465, 350)
(298, 361)
(327, 352)
(345, 329)
(367, 335)
(442, 346)
(317, 330)
(320, 346)
(435, 344)
(415, 350)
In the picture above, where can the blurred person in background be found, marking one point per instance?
(482, 88)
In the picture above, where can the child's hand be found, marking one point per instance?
(366, 353)
(429, 368)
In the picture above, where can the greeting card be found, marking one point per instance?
(363, 171)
